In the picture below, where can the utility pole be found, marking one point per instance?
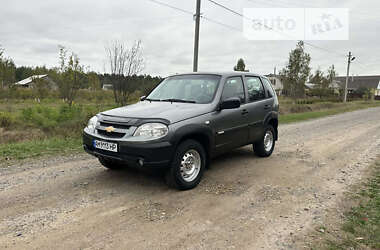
(196, 37)
(350, 59)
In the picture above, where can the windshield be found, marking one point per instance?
(186, 88)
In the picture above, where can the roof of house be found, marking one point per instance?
(272, 75)
(355, 82)
(29, 79)
(310, 85)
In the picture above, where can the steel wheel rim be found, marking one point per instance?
(190, 165)
(268, 140)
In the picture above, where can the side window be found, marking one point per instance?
(255, 89)
(234, 88)
(268, 87)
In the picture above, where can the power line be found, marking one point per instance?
(222, 24)
(228, 9)
(270, 28)
(172, 7)
(190, 13)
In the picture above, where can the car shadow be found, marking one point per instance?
(242, 153)
(134, 178)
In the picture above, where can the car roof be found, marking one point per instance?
(225, 74)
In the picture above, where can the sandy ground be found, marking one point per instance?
(243, 202)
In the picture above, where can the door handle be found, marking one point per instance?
(267, 106)
(244, 112)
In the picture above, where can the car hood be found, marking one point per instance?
(172, 112)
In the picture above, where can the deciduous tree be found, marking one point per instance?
(93, 81)
(331, 74)
(124, 62)
(71, 76)
(319, 80)
(240, 66)
(296, 72)
(7, 70)
(41, 87)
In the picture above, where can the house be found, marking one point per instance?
(357, 82)
(107, 86)
(276, 83)
(28, 82)
(334, 85)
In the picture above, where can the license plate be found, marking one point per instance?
(109, 146)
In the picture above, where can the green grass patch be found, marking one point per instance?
(297, 117)
(361, 226)
(28, 149)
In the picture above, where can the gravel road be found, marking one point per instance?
(243, 202)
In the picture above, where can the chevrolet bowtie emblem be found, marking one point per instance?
(110, 129)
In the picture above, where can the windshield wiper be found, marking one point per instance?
(152, 100)
(177, 100)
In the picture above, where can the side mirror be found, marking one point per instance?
(142, 98)
(230, 103)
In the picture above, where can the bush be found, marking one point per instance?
(103, 96)
(83, 95)
(41, 116)
(304, 101)
(6, 120)
(64, 120)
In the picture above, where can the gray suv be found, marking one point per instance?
(186, 121)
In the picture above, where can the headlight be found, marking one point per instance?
(92, 124)
(152, 130)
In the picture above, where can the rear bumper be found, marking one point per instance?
(152, 155)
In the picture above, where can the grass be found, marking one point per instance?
(361, 227)
(297, 117)
(34, 148)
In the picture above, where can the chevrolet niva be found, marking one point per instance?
(186, 121)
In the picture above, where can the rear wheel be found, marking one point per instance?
(110, 163)
(265, 146)
(187, 166)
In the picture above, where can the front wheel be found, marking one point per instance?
(265, 146)
(187, 166)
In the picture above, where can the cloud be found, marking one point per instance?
(31, 31)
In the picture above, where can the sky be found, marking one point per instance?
(31, 31)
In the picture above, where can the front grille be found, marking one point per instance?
(115, 125)
(121, 126)
(110, 135)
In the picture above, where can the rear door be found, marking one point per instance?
(259, 104)
(231, 126)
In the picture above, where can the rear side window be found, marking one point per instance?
(234, 88)
(255, 89)
(268, 87)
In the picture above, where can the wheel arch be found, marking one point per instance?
(272, 119)
(199, 133)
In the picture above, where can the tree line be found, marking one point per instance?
(125, 64)
(70, 75)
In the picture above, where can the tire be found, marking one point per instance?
(263, 147)
(110, 163)
(180, 177)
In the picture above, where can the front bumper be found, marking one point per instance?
(151, 154)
